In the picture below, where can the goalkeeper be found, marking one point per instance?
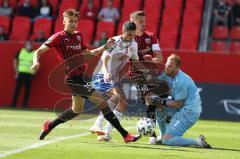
(186, 103)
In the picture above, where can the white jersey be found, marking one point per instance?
(120, 55)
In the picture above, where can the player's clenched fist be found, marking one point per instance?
(35, 67)
(109, 43)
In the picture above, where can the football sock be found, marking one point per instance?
(109, 115)
(151, 114)
(109, 127)
(100, 117)
(65, 116)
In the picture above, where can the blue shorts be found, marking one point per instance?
(181, 121)
(99, 84)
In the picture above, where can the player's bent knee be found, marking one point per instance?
(102, 105)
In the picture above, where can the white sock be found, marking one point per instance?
(100, 117)
(109, 127)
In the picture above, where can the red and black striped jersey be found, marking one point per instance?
(69, 51)
(146, 44)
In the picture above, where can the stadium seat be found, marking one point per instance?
(54, 4)
(65, 5)
(235, 33)
(102, 26)
(194, 5)
(86, 27)
(152, 10)
(218, 46)
(173, 4)
(220, 32)
(119, 29)
(234, 47)
(168, 36)
(58, 26)
(128, 7)
(116, 3)
(42, 24)
(21, 28)
(5, 23)
(189, 40)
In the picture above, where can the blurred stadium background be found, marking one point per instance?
(210, 54)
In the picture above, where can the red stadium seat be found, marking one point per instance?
(173, 4)
(54, 4)
(65, 5)
(189, 37)
(168, 36)
(72, 2)
(102, 26)
(5, 23)
(194, 5)
(58, 26)
(152, 10)
(42, 24)
(128, 7)
(116, 3)
(86, 27)
(20, 33)
(235, 33)
(235, 47)
(218, 46)
(220, 32)
(120, 24)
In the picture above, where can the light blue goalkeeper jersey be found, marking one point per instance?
(184, 88)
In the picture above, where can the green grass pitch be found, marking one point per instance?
(19, 132)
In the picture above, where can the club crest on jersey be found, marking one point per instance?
(79, 38)
(148, 40)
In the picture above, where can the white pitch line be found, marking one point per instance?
(43, 143)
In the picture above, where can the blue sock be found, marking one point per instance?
(180, 141)
(161, 122)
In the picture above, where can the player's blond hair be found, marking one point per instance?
(71, 12)
(135, 14)
(176, 59)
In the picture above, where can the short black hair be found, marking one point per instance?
(129, 25)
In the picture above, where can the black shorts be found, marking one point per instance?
(80, 86)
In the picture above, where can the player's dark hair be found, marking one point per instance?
(176, 58)
(71, 12)
(129, 25)
(135, 14)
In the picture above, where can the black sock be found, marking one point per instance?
(110, 116)
(62, 118)
(151, 112)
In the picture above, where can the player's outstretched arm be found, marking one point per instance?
(157, 56)
(100, 50)
(42, 49)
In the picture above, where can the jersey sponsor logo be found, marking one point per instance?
(77, 47)
(148, 40)
(79, 38)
